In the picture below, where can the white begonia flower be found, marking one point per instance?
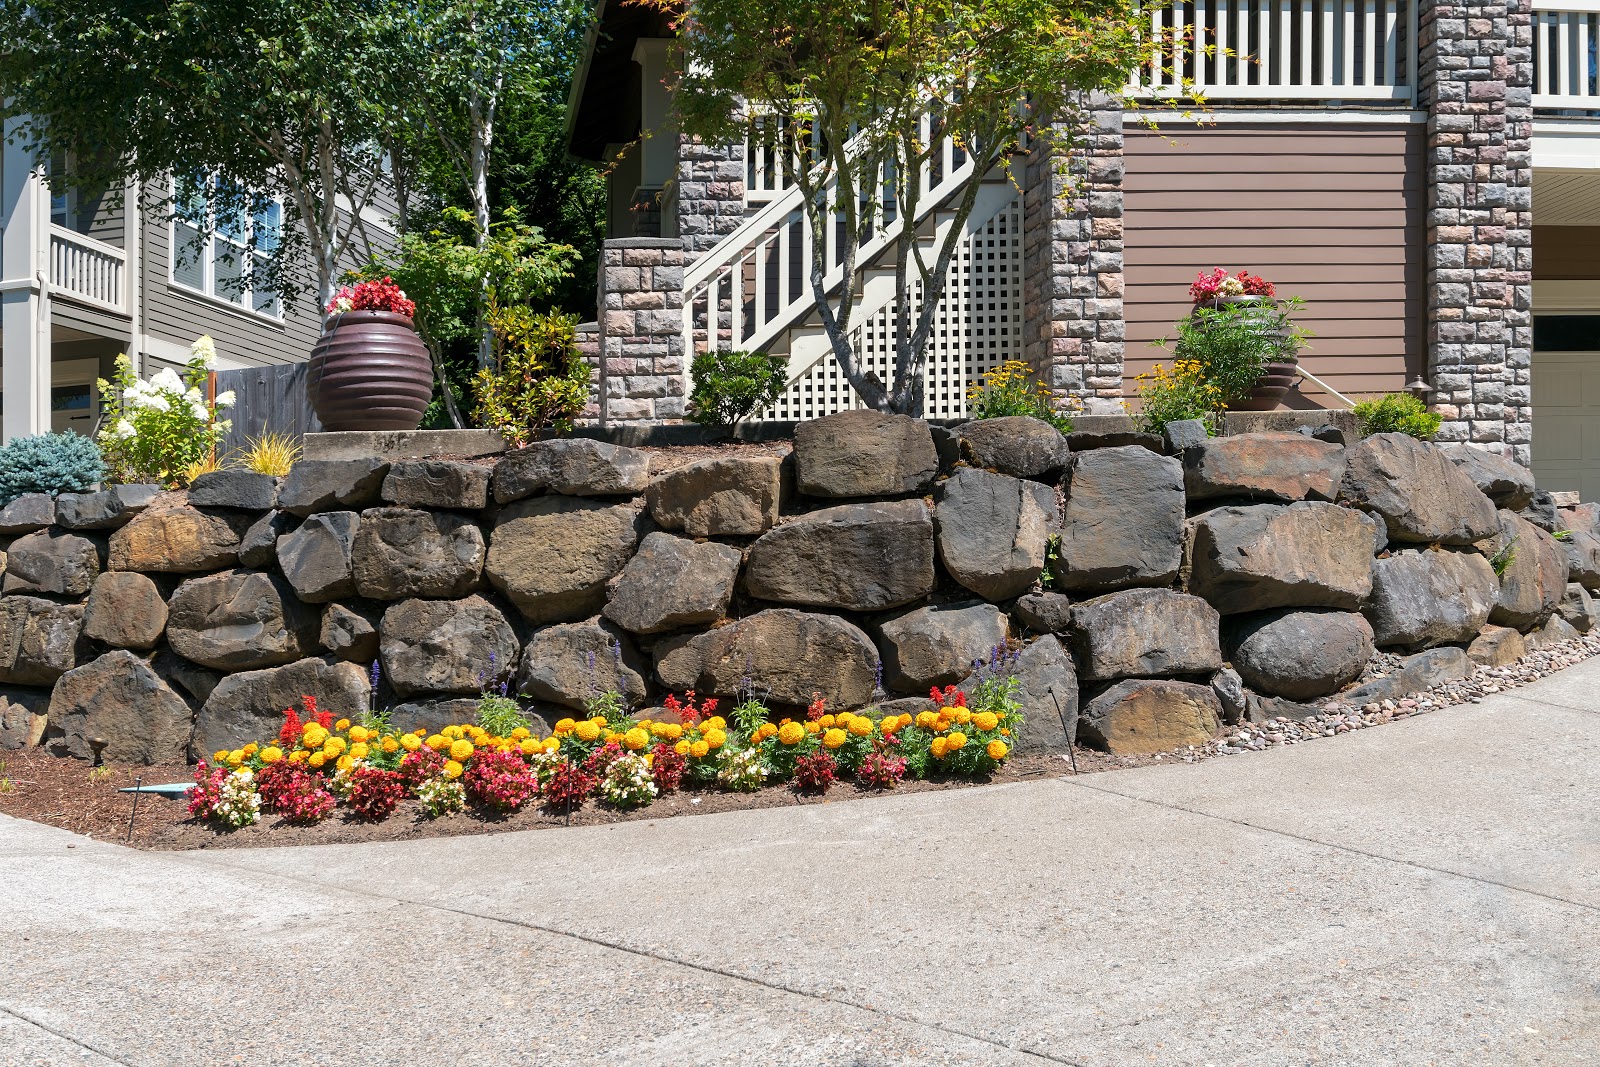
(225, 399)
(167, 381)
(205, 350)
(123, 430)
(344, 303)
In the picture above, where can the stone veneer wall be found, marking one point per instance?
(1072, 247)
(710, 192)
(642, 369)
(155, 625)
(1476, 69)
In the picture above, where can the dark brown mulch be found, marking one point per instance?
(74, 796)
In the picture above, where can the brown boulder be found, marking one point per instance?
(853, 557)
(53, 562)
(864, 453)
(553, 555)
(1138, 717)
(178, 540)
(403, 552)
(1261, 556)
(446, 646)
(1535, 575)
(1264, 466)
(125, 610)
(732, 496)
(791, 654)
(240, 620)
(120, 700)
(1422, 496)
(38, 639)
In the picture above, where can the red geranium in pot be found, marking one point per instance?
(1255, 301)
(370, 370)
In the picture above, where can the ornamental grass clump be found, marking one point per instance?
(1397, 413)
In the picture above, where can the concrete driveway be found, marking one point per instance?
(1423, 893)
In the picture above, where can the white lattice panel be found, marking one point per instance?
(978, 327)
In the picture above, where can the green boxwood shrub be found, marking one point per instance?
(49, 463)
(729, 387)
(1397, 413)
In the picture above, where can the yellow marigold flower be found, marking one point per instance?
(219, 756)
(986, 720)
(564, 726)
(963, 716)
(657, 729)
(842, 719)
(587, 731)
(598, 720)
(927, 719)
(768, 729)
(1005, 731)
(681, 748)
(528, 746)
(338, 745)
(552, 744)
(997, 749)
(791, 733)
(646, 723)
(342, 724)
(390, 745)
(521, 733)
(235, 758)
(313, 736)
(890, 724)
(716, 738)
(452, 731)
(452, 769)
(826, 721)
(635, 739)
(317, 759)
(250, 749)
(272, 754)
(813, 728)
(698, 749)
(834, 738)
(345, 762)
(359, 733)
(860, 725)
(956, 740)
(716, 722)
(298, 755)
(612, 735)
(938, 747)
(674, 730)
(461, 750)
(358, 750)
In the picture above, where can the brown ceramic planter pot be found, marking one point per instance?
(1276, 380)
(369, 371)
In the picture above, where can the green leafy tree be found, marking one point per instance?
(849, 84)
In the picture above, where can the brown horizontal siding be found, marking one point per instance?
(1566, 253)
(1333, 216)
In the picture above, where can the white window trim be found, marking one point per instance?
(208, 269)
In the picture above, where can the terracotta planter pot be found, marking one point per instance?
(369, 371)
(1276, 380)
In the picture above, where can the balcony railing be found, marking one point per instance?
(1566, 34)
(1291, 50)
(88, 270)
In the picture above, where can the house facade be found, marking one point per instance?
(1424, 174)
(84, 277)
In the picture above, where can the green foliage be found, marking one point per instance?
(164, 429)
(1234, 342)
(1503, 559)
(1562, 535)
(1052, 552)
(1173, 395)
(1397, 413)
(1010, 389)
(538, 378)
(500, 714)
(729, 387)
(610, 706)
(49, 463)
(749, 714)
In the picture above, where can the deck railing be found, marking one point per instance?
(1566, 36)
(1321, 50)
(88, 270)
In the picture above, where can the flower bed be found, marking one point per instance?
(315, 764)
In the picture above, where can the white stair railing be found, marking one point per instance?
(1566, 34)
(755, 283)
(87, 270)
(1284, 50)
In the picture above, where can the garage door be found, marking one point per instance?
(1566, 421)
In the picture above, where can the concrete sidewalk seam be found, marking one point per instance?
(187, 857)
(68, 1038)
(1353, 850)
(1546, 702)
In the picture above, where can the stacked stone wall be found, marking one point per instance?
(877, 558)
(642, 370)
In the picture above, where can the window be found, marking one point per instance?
(223, 241)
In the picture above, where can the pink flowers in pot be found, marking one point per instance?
(1219, 283)
(378, 295)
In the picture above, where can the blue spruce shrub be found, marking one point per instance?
(49, 463)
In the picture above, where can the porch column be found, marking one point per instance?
(24, 296)
(1475, 79)
(1072, 255)
(643, 374)
(710, 192)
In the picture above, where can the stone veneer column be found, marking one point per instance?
(641, 330)
(710, 192)
(1072, 255)
(1476, 77)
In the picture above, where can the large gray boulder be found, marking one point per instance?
(792, 654)
(1542, 512)
(316, 557)
(1424, 498)
(1299, 654)
(258, 547)
(178, 540)
(1423, 597)
(1555, 631)
(864, 453)
(571, 663)
(51, 561)
(332, 485)
(1436, 666)
(938, 645)
(1264, 466)
(1045, 613)
(993, 530)
(243, 489)
(1047, 687)
(27, 513)
(1123, 522)
(119, 700)
(105, 509)
(1262, 556)
(437, 483)
(1141, 717)
(1578, 608)
(434, 715)
(671, 583)
(125, 610)
(403, 552)
(38, 640)
(350, 633)
(730, 496)
(1534, 578)
(572, 467)
(23, 717)
(1497, 646)
(553, 555)
(1499, 477)
(1583, 558)
(1145, 633)
(446, 646)
(239, 621)
(1017, 445)
(853, 557)
(249, 706)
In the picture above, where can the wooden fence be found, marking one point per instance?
(267, 400)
